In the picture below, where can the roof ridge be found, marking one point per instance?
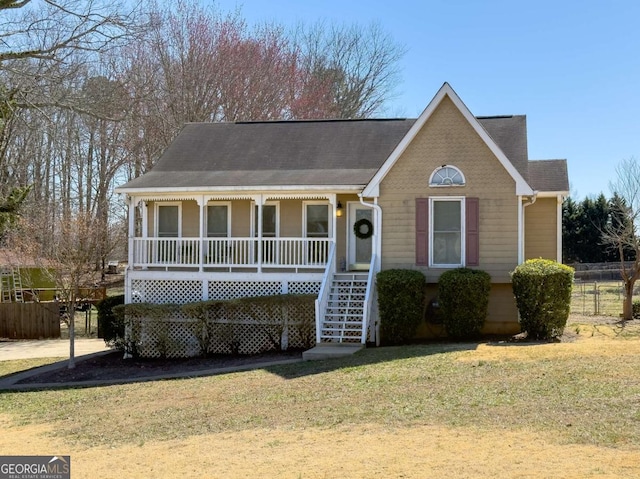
(310, 120)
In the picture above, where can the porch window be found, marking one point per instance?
(168, 221)
(269, 221)
(167, 226)
(218, 221)
(316, 223)
(269, 230)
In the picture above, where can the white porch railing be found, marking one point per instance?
(231, 252)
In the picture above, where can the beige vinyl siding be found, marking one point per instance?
(190, 219)
(447, 138)
(541, 229)
(291, 218)
(241, 218)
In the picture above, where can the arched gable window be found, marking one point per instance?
(446, 175)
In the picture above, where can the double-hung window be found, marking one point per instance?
(270, 222)
(316, 225)
(218, 220)
(447, 232)
(168, 220)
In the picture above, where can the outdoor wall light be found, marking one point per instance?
(339, 210)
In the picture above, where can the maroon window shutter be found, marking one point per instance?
(422, 231)
(472, 207)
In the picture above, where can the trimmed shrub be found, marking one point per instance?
(400, 304)
(464, 301)
(235, 326)
(272, 316)
(110, 324)
(543, 295)
(635, 314)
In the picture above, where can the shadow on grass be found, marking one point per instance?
(368, 357)
(284, 368)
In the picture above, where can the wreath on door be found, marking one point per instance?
(363, 228)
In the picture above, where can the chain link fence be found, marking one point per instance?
(597, 298)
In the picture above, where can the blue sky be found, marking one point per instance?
(573, 67)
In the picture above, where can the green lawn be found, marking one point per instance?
(584, 392)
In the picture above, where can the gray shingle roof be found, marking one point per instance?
(510, 134)
(549, 175)
(315, 152)
(333, 152)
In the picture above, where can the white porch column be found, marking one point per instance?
(145, 220)
(145, 230)
(259, 202)
(334, 219)
(132, 233)
(202, 203)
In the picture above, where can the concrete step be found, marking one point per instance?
(331, 350)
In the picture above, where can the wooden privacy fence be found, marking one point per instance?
(29, 320)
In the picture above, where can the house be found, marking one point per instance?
(261, 208)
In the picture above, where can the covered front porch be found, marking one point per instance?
(197, 247)
(252, 233)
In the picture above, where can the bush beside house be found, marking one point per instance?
(543, 295)
(400, 304)
(110, 324)
(464, 301)
(237, 326)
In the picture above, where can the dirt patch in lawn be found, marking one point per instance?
(382, 449)
(349, 451)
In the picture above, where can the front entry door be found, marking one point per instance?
(359, 247)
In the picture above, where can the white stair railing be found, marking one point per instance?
(368, 298)
(325, 288)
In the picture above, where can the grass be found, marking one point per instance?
(583, 392)
(10, 367)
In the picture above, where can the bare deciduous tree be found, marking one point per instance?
(361, 65)
(622, 232)
(69, 263)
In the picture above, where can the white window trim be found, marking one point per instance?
(156, 212)
(253, 217)
(463, 235)
(329, 216)
(433, 173)
(218, 203)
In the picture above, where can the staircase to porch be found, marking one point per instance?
(343, 316)
(341, 326)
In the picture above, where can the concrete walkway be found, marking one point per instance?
(48, 348)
